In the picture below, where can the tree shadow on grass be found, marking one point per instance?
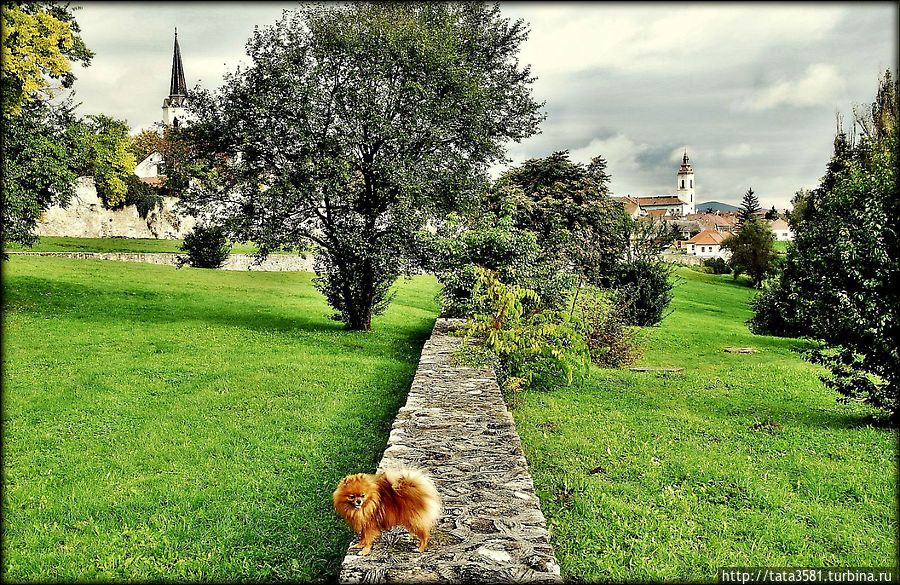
(92, 303)
(86, 301)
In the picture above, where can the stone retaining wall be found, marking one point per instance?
(688, 259)
(456, 427)
(273, 263)
(86, 217)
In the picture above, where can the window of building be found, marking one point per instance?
(692, 183)
(703, 248)
(682, 183)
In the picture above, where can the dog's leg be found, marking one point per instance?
(367, 540)
(423, 538)
(358, 544)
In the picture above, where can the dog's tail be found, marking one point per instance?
(413, 485)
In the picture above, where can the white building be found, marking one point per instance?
(152, 166)
(678, 205)
(707, 244)
(685, 185)
(782, 229)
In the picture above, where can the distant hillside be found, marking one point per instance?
(715, 206)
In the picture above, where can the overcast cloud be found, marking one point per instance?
(749, 89)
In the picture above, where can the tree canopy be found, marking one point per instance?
(40, 141)
(352, 125)
(841, 278)
(752, 250)
(39, 45)
(567, 206)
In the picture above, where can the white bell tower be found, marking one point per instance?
(685, 184)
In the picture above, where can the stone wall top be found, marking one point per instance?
(455, 426)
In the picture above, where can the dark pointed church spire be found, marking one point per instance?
(177, 88)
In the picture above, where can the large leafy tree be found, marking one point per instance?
(107, 156)
(39, 147)
(39, 45)
(355, 122)
(841, 278)
(752, 250)
(40, 139)
(567, 206)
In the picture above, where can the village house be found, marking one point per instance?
(782, 229)
(708, 244)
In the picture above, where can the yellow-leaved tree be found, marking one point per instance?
(39, 45)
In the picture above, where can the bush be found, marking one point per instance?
(717, 266)
(206, 247)
(144, 197)
(610, 341)
(644, 290)
(490, 241)
(773, 309)
(534, 347)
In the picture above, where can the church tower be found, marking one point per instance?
(174, 105)
(685, 184)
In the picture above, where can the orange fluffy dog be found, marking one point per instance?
(372, 504)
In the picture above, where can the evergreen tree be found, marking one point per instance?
(749, 207)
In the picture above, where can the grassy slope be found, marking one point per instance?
(148, 245)
(188, 424)
(653, 476)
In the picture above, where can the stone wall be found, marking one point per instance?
(85, 217)
(456, 427)
(274, 263)
(688, 259)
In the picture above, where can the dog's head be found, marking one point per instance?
(355, 495)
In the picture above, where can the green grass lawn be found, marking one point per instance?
(137, 245)
(163, 424)
(742, 460)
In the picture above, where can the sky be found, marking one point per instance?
(749, 90)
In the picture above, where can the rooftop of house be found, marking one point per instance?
(708, 237)
(779, 224)
(658, 200)
(152, 181)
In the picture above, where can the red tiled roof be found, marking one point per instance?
(660, 200)
(779, 224)
(657, 213)
(707, 237)
(152, 181)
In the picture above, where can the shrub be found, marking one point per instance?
(535, 347)
(774, 310)
(644, 290)
(717, 266)
(610, 341)
(490, 241)
(206, 247)
(144, 197)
